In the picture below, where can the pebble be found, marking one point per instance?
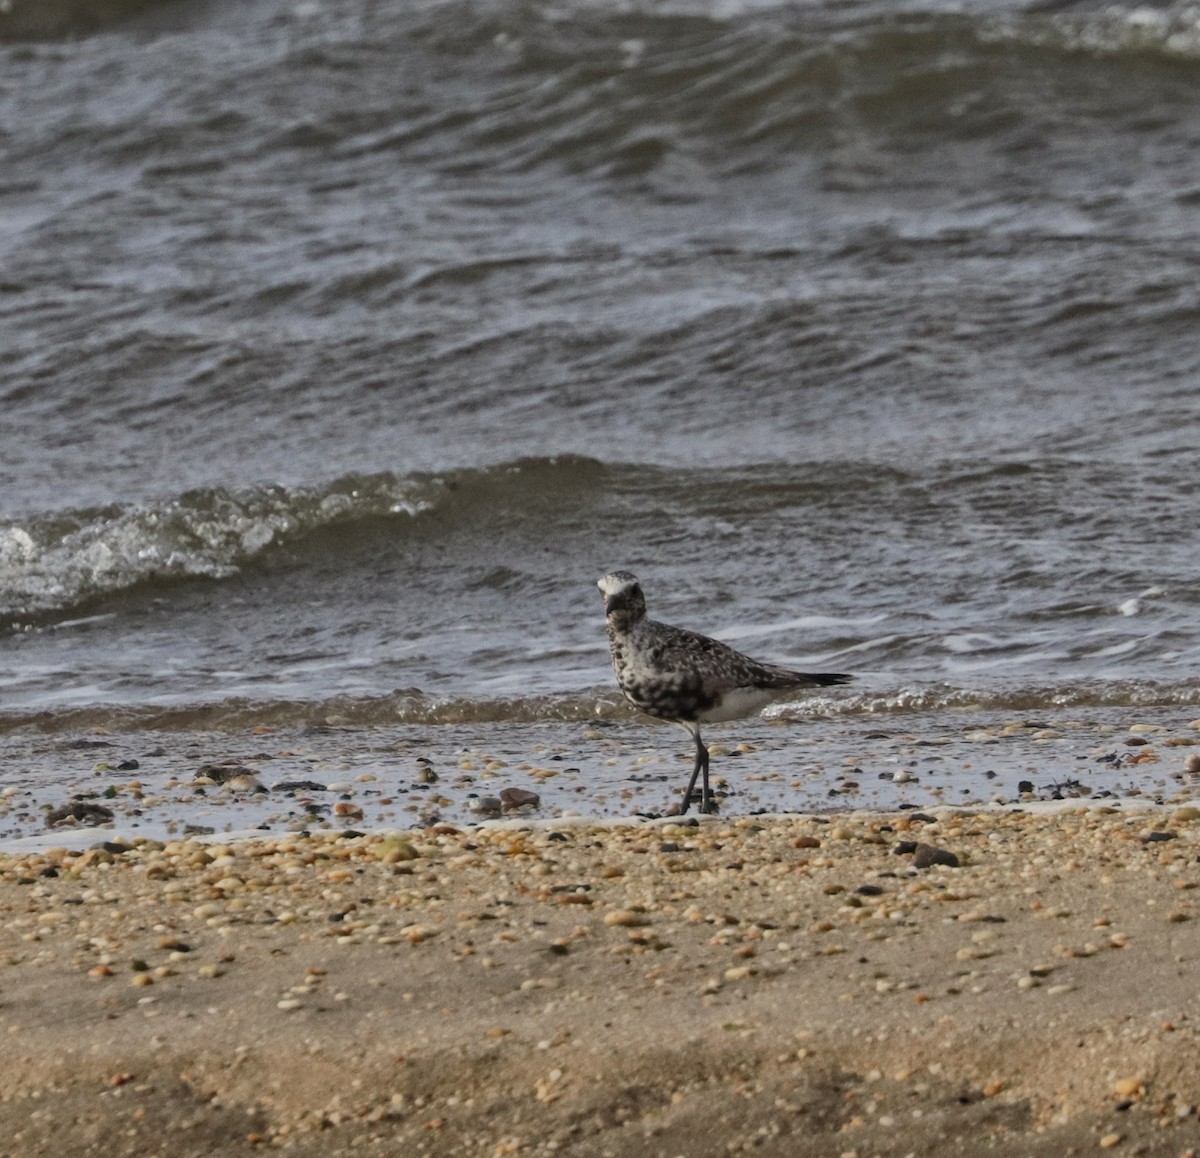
(926, 856)
(489, 806)
(625, 918)
(1129, 1088)
(512, 799)
(224, 771)
(78, 812)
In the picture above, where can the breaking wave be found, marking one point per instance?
(59, 565)
(411, 706)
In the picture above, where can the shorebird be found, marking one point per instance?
(688, 678)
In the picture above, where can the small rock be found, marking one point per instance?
(79, 812)
(484, 805)
(225, 771)
(243, 783)
(116, 847)
(926, 855)
(625, 918)
(513, 798)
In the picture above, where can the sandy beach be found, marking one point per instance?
(775, 985)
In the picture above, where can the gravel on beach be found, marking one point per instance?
(776, 985)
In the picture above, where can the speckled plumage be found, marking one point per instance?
(687, 678)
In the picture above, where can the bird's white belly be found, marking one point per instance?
(739, 702)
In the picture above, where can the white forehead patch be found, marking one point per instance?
(616, 581)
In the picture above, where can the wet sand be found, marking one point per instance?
(775, 985)
(329, 774)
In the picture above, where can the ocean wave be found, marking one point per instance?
(698, 92)
(1169, 32)
(58, 565)
(31, 19)
(404, 706)
(411, 706)
(626, 91)
(1008, 697)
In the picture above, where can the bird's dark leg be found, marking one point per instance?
(701, 762)
(707, 804)
(700, 766)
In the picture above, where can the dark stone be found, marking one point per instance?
(513, 798)
(226, 770)
(926, 856)
(869, 890)
(128, 766)
(79, 812)
(904, 848)
(1154, 837)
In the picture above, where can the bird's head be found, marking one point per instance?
(622, 596)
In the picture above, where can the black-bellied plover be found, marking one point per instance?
(687, 678)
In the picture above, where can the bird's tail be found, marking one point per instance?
(827, 678)
(802, 679)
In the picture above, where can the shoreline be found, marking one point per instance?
(164, 785)
(783, 985)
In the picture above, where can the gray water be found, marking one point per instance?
(346, 344)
